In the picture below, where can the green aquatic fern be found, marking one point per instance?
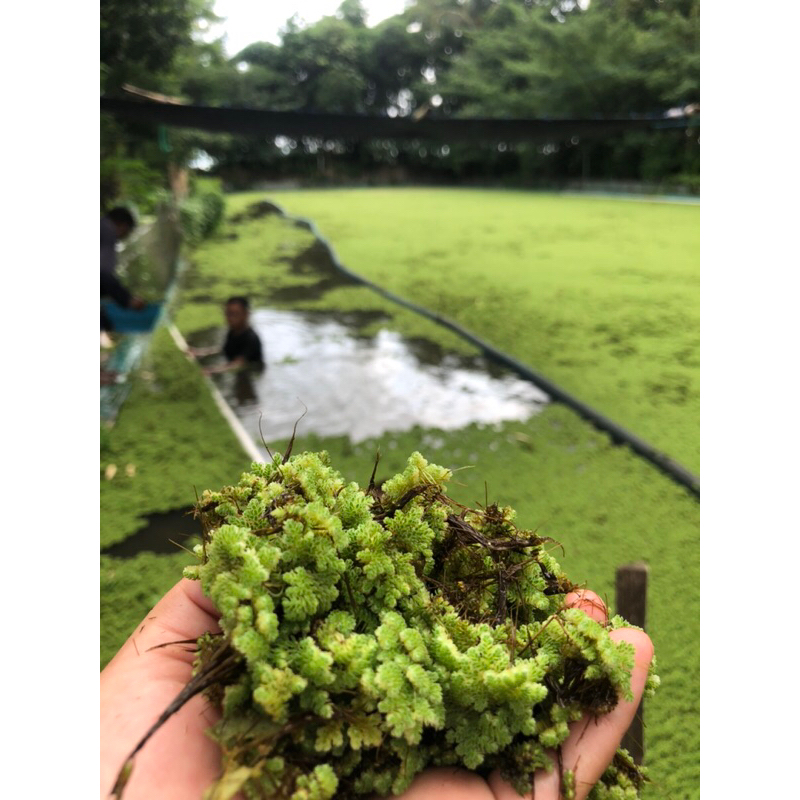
(370, 633)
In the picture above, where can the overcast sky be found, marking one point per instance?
(249, 21)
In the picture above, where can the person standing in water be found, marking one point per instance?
(242, 347)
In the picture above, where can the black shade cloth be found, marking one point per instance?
(354, 126)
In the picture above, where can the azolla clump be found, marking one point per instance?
(370, 633)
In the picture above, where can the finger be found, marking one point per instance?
(588, 602)
(194, 591)
(183, 613)
(592, 741)
(447, 783)
(179, 761)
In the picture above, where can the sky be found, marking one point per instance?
(249, 21)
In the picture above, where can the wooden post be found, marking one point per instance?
(632, 604)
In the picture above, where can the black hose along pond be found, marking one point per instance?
(363, 386)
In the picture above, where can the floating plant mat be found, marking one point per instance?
(364, 386)
(368, 633)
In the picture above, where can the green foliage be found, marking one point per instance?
(443, 57)
(479, 58)
(129, 182)
(601, 61)
(201, 216)
(213, 212)
(524, 62)
(203, 184)
(148, 44)
(191, 215)
(385, 630)
(690, 180)
(105, 439)
(143, 39)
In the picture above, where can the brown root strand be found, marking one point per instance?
(223, 666)
(287, 455)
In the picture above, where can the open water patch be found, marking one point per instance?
(363, 386)
(162, 533)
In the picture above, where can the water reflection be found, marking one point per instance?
(364, 386)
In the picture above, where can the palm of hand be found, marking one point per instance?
(180, 761)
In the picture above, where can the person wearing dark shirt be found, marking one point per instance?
(242, 347)
(114, 227)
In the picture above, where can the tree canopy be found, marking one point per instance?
(491, 58)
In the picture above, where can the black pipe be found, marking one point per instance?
(618, 434)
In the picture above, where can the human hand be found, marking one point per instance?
(180, 761)
(201, 352)
(589, 749)
(231, 366)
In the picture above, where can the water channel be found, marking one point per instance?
(363, 386)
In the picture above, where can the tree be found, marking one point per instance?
(612, 60)
(143, 38)
(526, 63)
(353, 13)
(150, 44)
(503, 58)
